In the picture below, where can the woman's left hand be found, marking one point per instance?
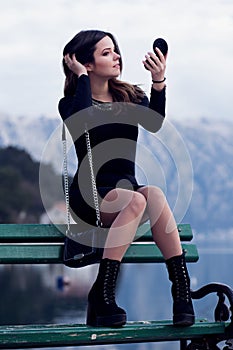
(157, 66)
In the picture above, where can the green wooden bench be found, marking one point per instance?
(43, 244)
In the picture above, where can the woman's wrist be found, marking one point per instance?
(82, 73)
(158, 86)
(158, 81)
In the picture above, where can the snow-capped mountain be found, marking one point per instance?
(27, 133)
(210, 143)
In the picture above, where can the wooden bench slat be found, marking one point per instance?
(76, 335)
(52, 253)
(144, 233)
(31, 233)
(52, 233)
(150, 253)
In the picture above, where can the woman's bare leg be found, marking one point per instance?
(122, 210)
(163, 225)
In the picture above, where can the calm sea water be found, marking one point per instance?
(31, 295)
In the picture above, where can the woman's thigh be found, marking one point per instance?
(117, 200)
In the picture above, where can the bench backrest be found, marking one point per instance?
(43, 244)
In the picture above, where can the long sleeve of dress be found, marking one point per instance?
(70, 105)
(152, 117)
(158, 101)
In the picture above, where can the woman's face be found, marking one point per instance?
(106, 60)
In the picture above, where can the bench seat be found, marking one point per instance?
(27, 336)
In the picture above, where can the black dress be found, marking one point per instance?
(113, 130)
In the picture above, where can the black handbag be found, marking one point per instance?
(86, 247)
(76, 254)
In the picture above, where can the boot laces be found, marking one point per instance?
(110, 284)
(181, 286)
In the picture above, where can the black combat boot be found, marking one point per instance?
(102, 308)
(183, 313)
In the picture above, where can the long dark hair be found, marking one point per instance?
(83, 46)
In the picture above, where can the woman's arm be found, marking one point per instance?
(69, 105)
(157, 101)
(152, 116)
(157, 66)
(82, 99)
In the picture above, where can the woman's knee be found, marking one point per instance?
(153, 192)
(138, 203)
(158, 193)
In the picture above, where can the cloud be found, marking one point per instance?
(199, 70)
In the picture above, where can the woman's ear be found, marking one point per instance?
(89, 66)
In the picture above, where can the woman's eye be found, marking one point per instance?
(106, 53)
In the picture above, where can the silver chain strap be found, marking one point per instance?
(66, 178)
(93, 182)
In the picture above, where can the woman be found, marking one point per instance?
(92, 64)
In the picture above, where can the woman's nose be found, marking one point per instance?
(116, 56)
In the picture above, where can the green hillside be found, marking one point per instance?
(20, 199)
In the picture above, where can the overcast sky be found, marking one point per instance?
(199, 34)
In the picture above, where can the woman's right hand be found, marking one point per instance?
(75, 66)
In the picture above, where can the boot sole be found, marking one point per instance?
(107, 321)
(93, 320)
(183, 320)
